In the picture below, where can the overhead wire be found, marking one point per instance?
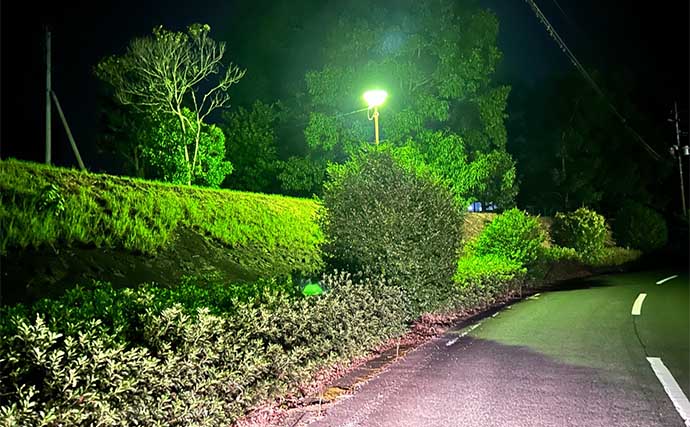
(335, 116)
(565, 15)
(554, 34)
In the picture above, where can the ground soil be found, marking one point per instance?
(29, 274)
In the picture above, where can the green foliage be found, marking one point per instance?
(568, 152)
(483, 278)
(615, 256)
(51, 200)
(252, 147)
(512, 235)
(119, 310)
(161, 149)
(180, 78)
(444, 115)
(610, 256)
(269, 235)
(555, 253)
(489, 178)
(381, 219)
(302, 176)
(190, 367)
(583, 230)
(637, 226)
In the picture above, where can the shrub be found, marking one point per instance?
(583, 230)
(382, 219)
(556, 253)
(614, 256)
(637, 226)
(119, 310)
(191, 367)
(608, 257)
(513, 235)
(481, 279)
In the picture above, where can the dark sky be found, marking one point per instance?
(649, 40)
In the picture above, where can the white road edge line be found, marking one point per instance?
(666, 279)
(673, 390)
(470, 329)
(637, 306)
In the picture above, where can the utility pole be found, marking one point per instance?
(49, 90)
(69, 133)
(677, 150)
(50, 95)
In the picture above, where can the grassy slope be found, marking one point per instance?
(43, 205)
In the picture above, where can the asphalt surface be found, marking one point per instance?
(574, 357)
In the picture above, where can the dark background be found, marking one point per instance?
(650, 41)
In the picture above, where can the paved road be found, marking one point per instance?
(574, 357)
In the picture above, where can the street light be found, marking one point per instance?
(374, 99)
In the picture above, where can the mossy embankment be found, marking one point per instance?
(60, 226)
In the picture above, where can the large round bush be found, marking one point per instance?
(513, 235)
(382, 219)
(640, 227)
(583, 230)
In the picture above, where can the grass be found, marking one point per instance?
(42, 205)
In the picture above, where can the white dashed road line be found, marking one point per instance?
(637, 306)
(470, 329)
(673, 390)
(666, 279)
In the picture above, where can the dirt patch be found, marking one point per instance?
(29, 274)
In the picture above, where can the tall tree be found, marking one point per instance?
(573, 151)
(436, 59)
(170, 71)
(252, 146)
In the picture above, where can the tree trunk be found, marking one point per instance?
(180, 117)
(197, 138)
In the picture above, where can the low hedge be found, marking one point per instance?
(512, 235)
(583, 230)
(182, 366)
(640, 227)
(609, 256)
(480, 280)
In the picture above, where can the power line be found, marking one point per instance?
(552, 32)
(335, 116)
(570, 21)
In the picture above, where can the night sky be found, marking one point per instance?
(649, 40)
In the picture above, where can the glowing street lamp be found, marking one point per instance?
(374, 99)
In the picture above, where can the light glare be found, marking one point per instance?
(374, 98)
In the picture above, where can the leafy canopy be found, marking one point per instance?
(168, 72)
(436, 61)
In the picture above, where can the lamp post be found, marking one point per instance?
(374, 99)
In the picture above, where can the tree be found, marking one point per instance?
(168, 72)
(252, 146)
(160, 138)
(573, 151)
(118, 125)
(436, 59)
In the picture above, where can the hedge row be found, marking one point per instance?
(144, 357)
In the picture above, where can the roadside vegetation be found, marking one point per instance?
(204, 352)
(383, 241)
(44, 205)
